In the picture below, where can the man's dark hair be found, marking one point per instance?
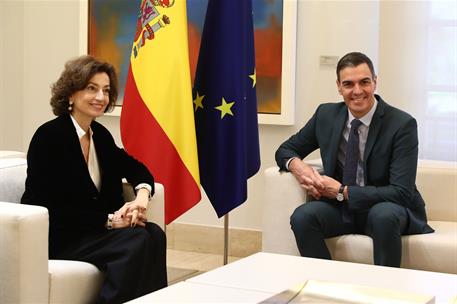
(354, 59)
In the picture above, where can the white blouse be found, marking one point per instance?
(92, 162)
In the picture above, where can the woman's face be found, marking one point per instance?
(90, 102)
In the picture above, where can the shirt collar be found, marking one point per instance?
(78, 128)
(366, 119)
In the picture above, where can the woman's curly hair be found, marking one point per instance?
(75, 77)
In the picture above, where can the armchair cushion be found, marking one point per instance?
(73, 282)
(13, 172)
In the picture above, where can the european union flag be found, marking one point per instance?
(225, 104)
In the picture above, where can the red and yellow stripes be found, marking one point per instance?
(157, 121)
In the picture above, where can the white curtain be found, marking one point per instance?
(418, 69)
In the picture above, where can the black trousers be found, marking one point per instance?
(385, 222)
(132, 259)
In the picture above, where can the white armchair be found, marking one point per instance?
(437, 183)
(27, 274)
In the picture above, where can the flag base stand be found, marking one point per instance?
(226, 235)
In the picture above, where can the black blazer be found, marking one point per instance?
(389, 160)
(58, 179)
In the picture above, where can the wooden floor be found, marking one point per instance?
(195, 260)
(185, 264)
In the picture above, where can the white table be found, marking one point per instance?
(262, 275)
(186, 292)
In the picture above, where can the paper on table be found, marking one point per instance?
(313, 291)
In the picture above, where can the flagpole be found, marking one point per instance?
(226, 235)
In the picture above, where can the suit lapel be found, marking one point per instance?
(340, 120)
(375, 127)
(70, 136)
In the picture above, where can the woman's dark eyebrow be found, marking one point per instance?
(93, 83)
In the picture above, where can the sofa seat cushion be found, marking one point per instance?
(78, 281)
(351, 248)
(13, 172)
(432, 252)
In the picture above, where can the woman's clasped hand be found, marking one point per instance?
(131, 214)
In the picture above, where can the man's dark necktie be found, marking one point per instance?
(350, 164)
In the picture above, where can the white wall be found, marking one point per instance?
(50, 37)
(11, 72)
(401, 21)
(419, 62)
(51, 31)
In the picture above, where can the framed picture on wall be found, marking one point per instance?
(108, 27)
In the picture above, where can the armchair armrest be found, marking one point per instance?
(282, 195)
(24, 254)
(156, 207)
(12, 154)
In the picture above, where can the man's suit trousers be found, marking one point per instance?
(314, 221)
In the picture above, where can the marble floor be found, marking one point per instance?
(185, 264)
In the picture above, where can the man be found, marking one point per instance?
(369, 152)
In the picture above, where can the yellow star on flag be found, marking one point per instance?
(225, 108)
(254, 78)
(198, 101)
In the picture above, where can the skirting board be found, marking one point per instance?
(209, 239)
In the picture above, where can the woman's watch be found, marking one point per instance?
(340, 195)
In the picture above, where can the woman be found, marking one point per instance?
(75, 170)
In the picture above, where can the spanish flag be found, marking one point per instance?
(157, 120)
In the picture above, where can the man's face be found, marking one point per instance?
(357, 86)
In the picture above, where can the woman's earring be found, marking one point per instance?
(70, 104)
